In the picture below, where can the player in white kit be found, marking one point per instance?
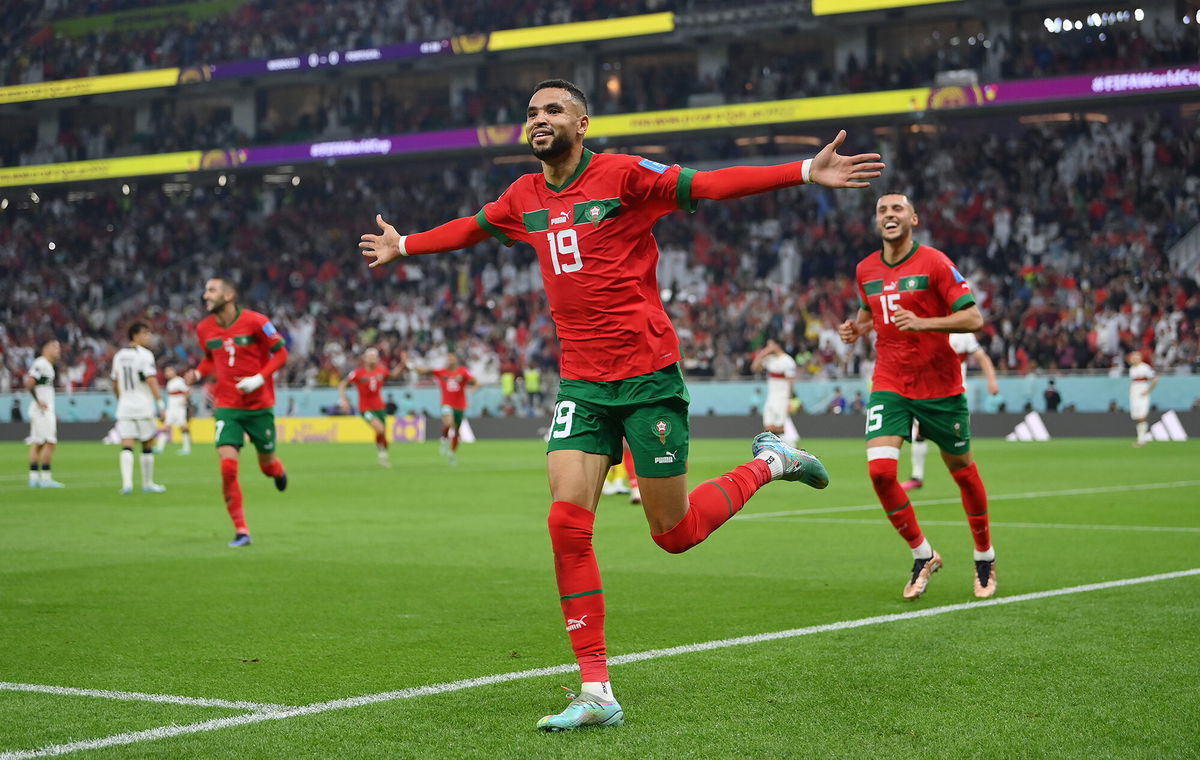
(781, 372)
(1142, 381)
(177, 411)
(43, 424)
(965, 345)
(139, 404)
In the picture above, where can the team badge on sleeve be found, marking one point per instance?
(653, 166)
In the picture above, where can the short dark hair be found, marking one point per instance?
(911, 205)
(229, 282)
(136, 328)
(562, 84)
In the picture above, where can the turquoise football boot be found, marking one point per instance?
(798, 464)
(584, 710)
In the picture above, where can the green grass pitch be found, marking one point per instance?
(363, 581)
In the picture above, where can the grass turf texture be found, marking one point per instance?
(365, 580)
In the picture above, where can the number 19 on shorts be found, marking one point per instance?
(564, 416)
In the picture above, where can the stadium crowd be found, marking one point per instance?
(753, 73)
(1062, 230)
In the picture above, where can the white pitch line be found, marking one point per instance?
(991, 497)
(135, 696)
(442, 688)
(957, 523)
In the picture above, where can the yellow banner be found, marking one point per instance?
(771, 112)
(348, 429)
(106, 168)
(582, 31)
(829, 7)
(70, 88)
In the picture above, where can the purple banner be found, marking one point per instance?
(1065, 88)
(423, 142)
(340, 58)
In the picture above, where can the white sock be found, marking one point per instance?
(602, 689)
(1143, 429)
(46, 473)
(147, 469)
(34, 474)
(988, 556)
(924, 551)
(126, 468)
(774, 461)
(919, 451)
(187, 441)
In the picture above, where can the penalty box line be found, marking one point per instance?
(165, 732)
(136, 696)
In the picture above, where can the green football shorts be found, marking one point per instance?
(945, 421)
(233, 425)
(375, 414)
(650, 411)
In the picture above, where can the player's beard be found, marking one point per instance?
(557, 148)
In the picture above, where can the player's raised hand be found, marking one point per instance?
(831, 169)
(383, 248)
(848, 331)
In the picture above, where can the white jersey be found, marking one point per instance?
(964, 344)
(177, 396)
(1140, 376)
(42, 373)
(781, 371)
(131, 368)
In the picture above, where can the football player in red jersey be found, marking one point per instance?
(369, 380)
(453, 380)
(589, 217)
(913, 297)
(242, 349)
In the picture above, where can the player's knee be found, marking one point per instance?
(570, 530)
(147, 448)
(883, 464)
(673, 542)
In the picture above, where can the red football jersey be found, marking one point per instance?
(925, 282)
(369, 383)
(237, 351)
(454, 386)
(598, 258)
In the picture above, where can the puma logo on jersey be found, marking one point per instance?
(575, 625)
(890, 286)
(560, 219)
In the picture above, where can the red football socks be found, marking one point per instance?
(273, 470)
(630, 472)
(454, 436)
(894, 500)
(233, 494)
(580, 592)
(381, 441)
(712, 503)
(974, 499)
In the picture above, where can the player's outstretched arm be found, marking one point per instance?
(390, 245)
(827, 168)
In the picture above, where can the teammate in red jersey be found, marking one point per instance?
(589, 217)
(369, 380)
(242, 349)
(454, 380)
(913, 297)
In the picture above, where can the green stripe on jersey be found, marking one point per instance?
(537, 221)
(594, 212)
(873, 288)
(213, 344)
(683, 190)
(243, 340)
(491, 229)
(965, 300)
(913, 282)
